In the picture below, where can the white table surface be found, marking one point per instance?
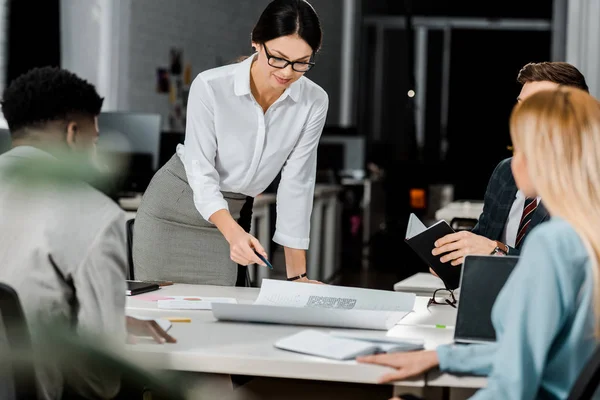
(208, 346)
(421, 283)
(205, 345)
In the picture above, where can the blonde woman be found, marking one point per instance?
(546, 317)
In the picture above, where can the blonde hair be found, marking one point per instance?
(558, 132)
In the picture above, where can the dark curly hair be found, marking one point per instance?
(47, 94)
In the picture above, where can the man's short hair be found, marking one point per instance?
(47, 94)
(561, 73)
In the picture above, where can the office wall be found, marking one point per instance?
(3, 54)
(80, 37)
(94, 45)
(211, 33)
(583, 40)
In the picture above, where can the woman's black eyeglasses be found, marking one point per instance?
(281, 63)
(442, 297)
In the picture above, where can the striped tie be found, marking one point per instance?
(530, 206)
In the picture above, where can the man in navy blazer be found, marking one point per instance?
(507, 215)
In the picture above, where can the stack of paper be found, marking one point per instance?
(292, 303)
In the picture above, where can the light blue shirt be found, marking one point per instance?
(544, 321)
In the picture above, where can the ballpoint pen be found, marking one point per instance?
(263, 259)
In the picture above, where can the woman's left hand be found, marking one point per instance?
(407, 364)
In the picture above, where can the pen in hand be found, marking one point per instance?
(264, 259)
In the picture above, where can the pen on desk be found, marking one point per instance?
(178, 319)
(264, 259)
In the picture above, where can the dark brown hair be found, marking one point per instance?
(558, 72)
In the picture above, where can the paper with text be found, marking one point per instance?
(292, 294)
(293, 303)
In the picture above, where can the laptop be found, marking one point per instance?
(482, 279)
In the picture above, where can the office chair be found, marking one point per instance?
(19, 344)
(129, 228)
(589, 379)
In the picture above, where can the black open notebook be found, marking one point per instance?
(422, 239)
(137, 287)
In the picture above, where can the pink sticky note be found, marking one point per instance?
(152, 297)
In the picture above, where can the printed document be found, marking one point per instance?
(292, 303)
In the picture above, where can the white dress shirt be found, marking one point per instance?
(509, 236)
(231, 145)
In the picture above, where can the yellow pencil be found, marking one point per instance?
(179, 319)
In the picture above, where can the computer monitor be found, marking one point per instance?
(5, 140)
(131, 133)
(131, 141)
(353, 153)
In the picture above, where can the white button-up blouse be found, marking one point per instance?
(231, 145)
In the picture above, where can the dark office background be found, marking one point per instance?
(483, 68)
(482, 91)
(33, 35)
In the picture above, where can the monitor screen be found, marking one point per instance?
(352, 151)
(134, 134)
(482, 279)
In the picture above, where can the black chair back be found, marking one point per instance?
(589, 379)
(19, 342)
(245, 221)
(129, 227)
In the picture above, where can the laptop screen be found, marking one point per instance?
(482, 279)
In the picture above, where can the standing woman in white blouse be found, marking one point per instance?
(246, 122)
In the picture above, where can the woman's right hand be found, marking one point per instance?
(242, 246)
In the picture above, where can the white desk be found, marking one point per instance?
(421, 283)
(207, 346)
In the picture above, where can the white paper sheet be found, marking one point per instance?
(292, 294)
(356, 319)
(292, 303)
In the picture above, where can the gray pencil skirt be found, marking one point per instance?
(173, 242)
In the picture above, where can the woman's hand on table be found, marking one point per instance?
(406, 364)
(306, 280)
